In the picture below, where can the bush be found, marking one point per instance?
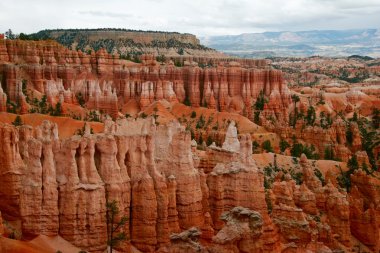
(310, 117)
(256, 117)
(268, 200)
(297, 177)
(161, 58)
(344, 179)
(284, 145)
(260, 101)
(93, 116)
(298, 149)
(352, 163)
(57, 111)
(80, 99)
(349, 136)
(209, 140)
(319, 175)
(267, 146)
(255, 145)
(201, 122)
(329, 153)
(187, 101)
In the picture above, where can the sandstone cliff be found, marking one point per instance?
(59, 186)
(107, 83)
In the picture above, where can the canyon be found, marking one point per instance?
(182, 152)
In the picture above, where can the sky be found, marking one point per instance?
(199, 17)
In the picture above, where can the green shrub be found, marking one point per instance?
(319, 175)
(57, 111)
(201, 122)
(80, 99)
(329, 153)
(260, 101)
(255, 146)
(284, 145)
(267, 146)
(297, 177)
(209, 140)
(310, 117)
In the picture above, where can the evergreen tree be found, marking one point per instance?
(295, 99)
(17, 121)
(353, 164)
(57, 111)
(260, 101)
(284, 145)
(329, 153)
(114, 225)
(310, 117)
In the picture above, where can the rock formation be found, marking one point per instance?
(177, 196)
(107, 83)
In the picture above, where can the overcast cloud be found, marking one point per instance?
(200, 17)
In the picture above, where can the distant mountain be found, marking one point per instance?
(303, 43)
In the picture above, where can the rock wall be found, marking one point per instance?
(107, 83)
(59, 186)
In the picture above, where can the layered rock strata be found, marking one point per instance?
(106, 82)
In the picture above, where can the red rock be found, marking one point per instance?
(241, 231)
(222, 86)
(3, 100)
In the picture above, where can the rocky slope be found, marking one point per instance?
(173, 201)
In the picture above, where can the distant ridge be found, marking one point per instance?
(301, 43)
(127, 42)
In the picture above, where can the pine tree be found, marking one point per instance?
(114, 225)
(17, 121)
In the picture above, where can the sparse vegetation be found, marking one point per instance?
(115, 224)
(201, 122)
(57, 111)
(81, 131)
(267, 146)
(93, 116)
(329, 153)
(255, 146)
(298, 149)
(319, 175)
(284, 145)
(310, 117)
(80, 99)
(143, 115)
(17, 121)
(295, 99)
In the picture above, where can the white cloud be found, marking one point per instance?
(199, 17)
